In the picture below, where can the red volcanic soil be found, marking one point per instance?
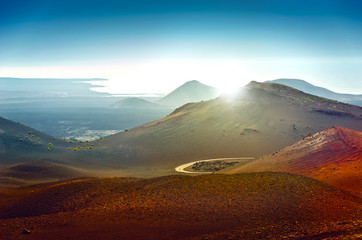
(333, 156)
(242, 206)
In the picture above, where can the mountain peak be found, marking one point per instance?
(191, 91)
(192, 82)
(350, 137)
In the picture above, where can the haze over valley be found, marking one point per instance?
(68, 108)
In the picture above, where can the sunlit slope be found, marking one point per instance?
(260, 119)
(333, 156)
(252, 206)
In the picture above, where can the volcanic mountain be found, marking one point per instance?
(260, 119)
(333, 156)
(306, 87)
(192, 91)
(242, 206)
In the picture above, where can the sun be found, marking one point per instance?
(229, 91)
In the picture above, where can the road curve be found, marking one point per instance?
(183, 166)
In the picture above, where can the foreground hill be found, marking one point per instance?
(246, 206)
(333, 156)
(192, 91)
(262, 118)
(306, 87)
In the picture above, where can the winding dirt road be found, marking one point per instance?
(182, 167)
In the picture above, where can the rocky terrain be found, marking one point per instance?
(243, 206)
(210, 166)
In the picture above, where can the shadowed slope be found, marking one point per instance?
(178, 207)
(19, 143)
(333, 156)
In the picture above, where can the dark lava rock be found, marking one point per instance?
(26, 231)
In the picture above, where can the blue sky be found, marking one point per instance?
(154, 46)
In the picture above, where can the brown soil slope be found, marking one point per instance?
(245, 206)
(260, 119)
(333, 156)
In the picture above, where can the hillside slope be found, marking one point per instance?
(260, 119)
(333, 156)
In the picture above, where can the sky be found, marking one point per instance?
(144, 46)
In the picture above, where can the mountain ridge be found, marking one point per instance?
(308, 100)
(319, 91)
